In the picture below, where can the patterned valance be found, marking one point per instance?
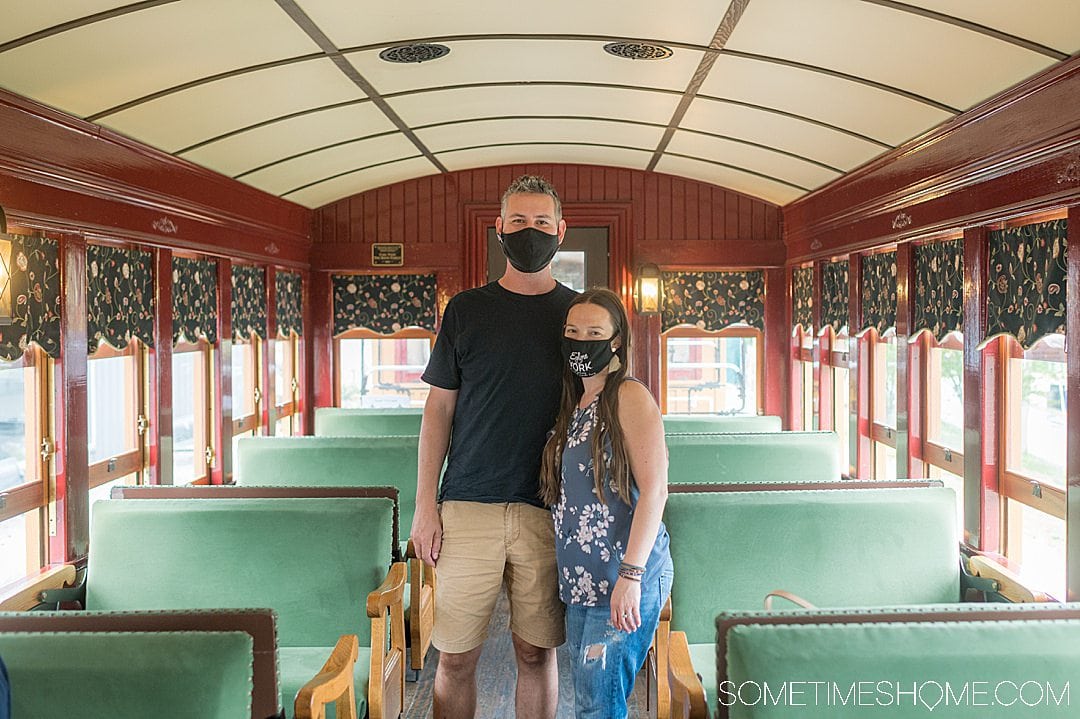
(879, 291)
(383, 303)
(119, 296)
(35, 297)
(939, 288)
(248, 302)
(289, 298)
(713, 300)
(802, 298)
(1027, 281)
(834, 295)
(195, 312)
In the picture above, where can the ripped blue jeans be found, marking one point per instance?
(604, 660)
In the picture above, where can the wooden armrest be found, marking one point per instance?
(1008, 584)
(386, 677)
(391, 591)
(662, 644)
(687, 693)
(25, 594)
(333, 683)
(790, 596)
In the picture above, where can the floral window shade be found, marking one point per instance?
(802, 297)
(1027, 282)
(248, 302)
(939, 287)
(383, 303)
(195, 311)
(289, 296)
(879, 291)
(35, 297)
(834, 295)
(714, 300)
(119, 296)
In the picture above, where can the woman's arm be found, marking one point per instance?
(643, 435)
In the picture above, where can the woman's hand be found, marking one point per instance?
(626, 605)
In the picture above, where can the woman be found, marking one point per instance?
(615, 570)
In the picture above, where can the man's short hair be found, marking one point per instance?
(534, 185)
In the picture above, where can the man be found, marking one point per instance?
(495, 378)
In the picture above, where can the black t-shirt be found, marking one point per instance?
(502, 352)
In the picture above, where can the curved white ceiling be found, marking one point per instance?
(772, 98)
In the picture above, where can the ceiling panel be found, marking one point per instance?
(362, 181)
(488, 132)
(524, 61)
(25, 18)
(291, 174)
(424, 108)
(695, 22)
(1053, 23)
(743, 182)
(767, 162)
(525, 154)
(185, 118)
(256, 147)
(814, 142)
(868, 111)
(898, 49)
(103, 65)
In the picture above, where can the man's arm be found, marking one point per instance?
(426, 533)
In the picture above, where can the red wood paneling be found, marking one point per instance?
(161, 376)
(72, 457)
(1072, 466)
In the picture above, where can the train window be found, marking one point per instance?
(802, 378)
(943, 401)
(382, 371)
(116, 415)
(838, 361)
(712, 372)
(1034, 445)
(883, 403)
(246, 389)
(25, 421)
(192, 428)
(286, 386)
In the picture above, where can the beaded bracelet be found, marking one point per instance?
(631, 571)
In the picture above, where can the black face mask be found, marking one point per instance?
(587, 357)
(529, 250)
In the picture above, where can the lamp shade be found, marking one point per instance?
(5, 280)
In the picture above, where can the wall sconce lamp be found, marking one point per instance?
(5, 272)
(648, 290)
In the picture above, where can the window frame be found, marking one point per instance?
(133, 461)
(28, 496)
(359, 333)
(949, 459)
(735, 331)
(252, 368)
(287, 410)
(208, 434)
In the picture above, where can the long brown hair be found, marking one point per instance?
(607, 427)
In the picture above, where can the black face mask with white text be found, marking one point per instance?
(587, 357)
(529, 250)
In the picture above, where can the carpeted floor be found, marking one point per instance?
(496, 676)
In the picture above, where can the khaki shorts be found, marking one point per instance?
(483, 545)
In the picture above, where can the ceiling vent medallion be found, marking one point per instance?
(638, 50)
(417, 52)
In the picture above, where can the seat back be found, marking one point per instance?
(713, 423)
(332, 462)
(129, 674)
(312, 560)
(337, 422)
(753, 457)
(834, 548)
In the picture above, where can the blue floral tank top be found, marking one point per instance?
(590, 535)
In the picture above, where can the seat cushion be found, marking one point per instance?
(297, 666)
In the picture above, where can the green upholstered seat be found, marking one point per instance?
(337, 422)
(133, 675)
(312, 560)
(929, 668)
(753, 457)
(333, 462)
(835, 548)
(714, 423)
